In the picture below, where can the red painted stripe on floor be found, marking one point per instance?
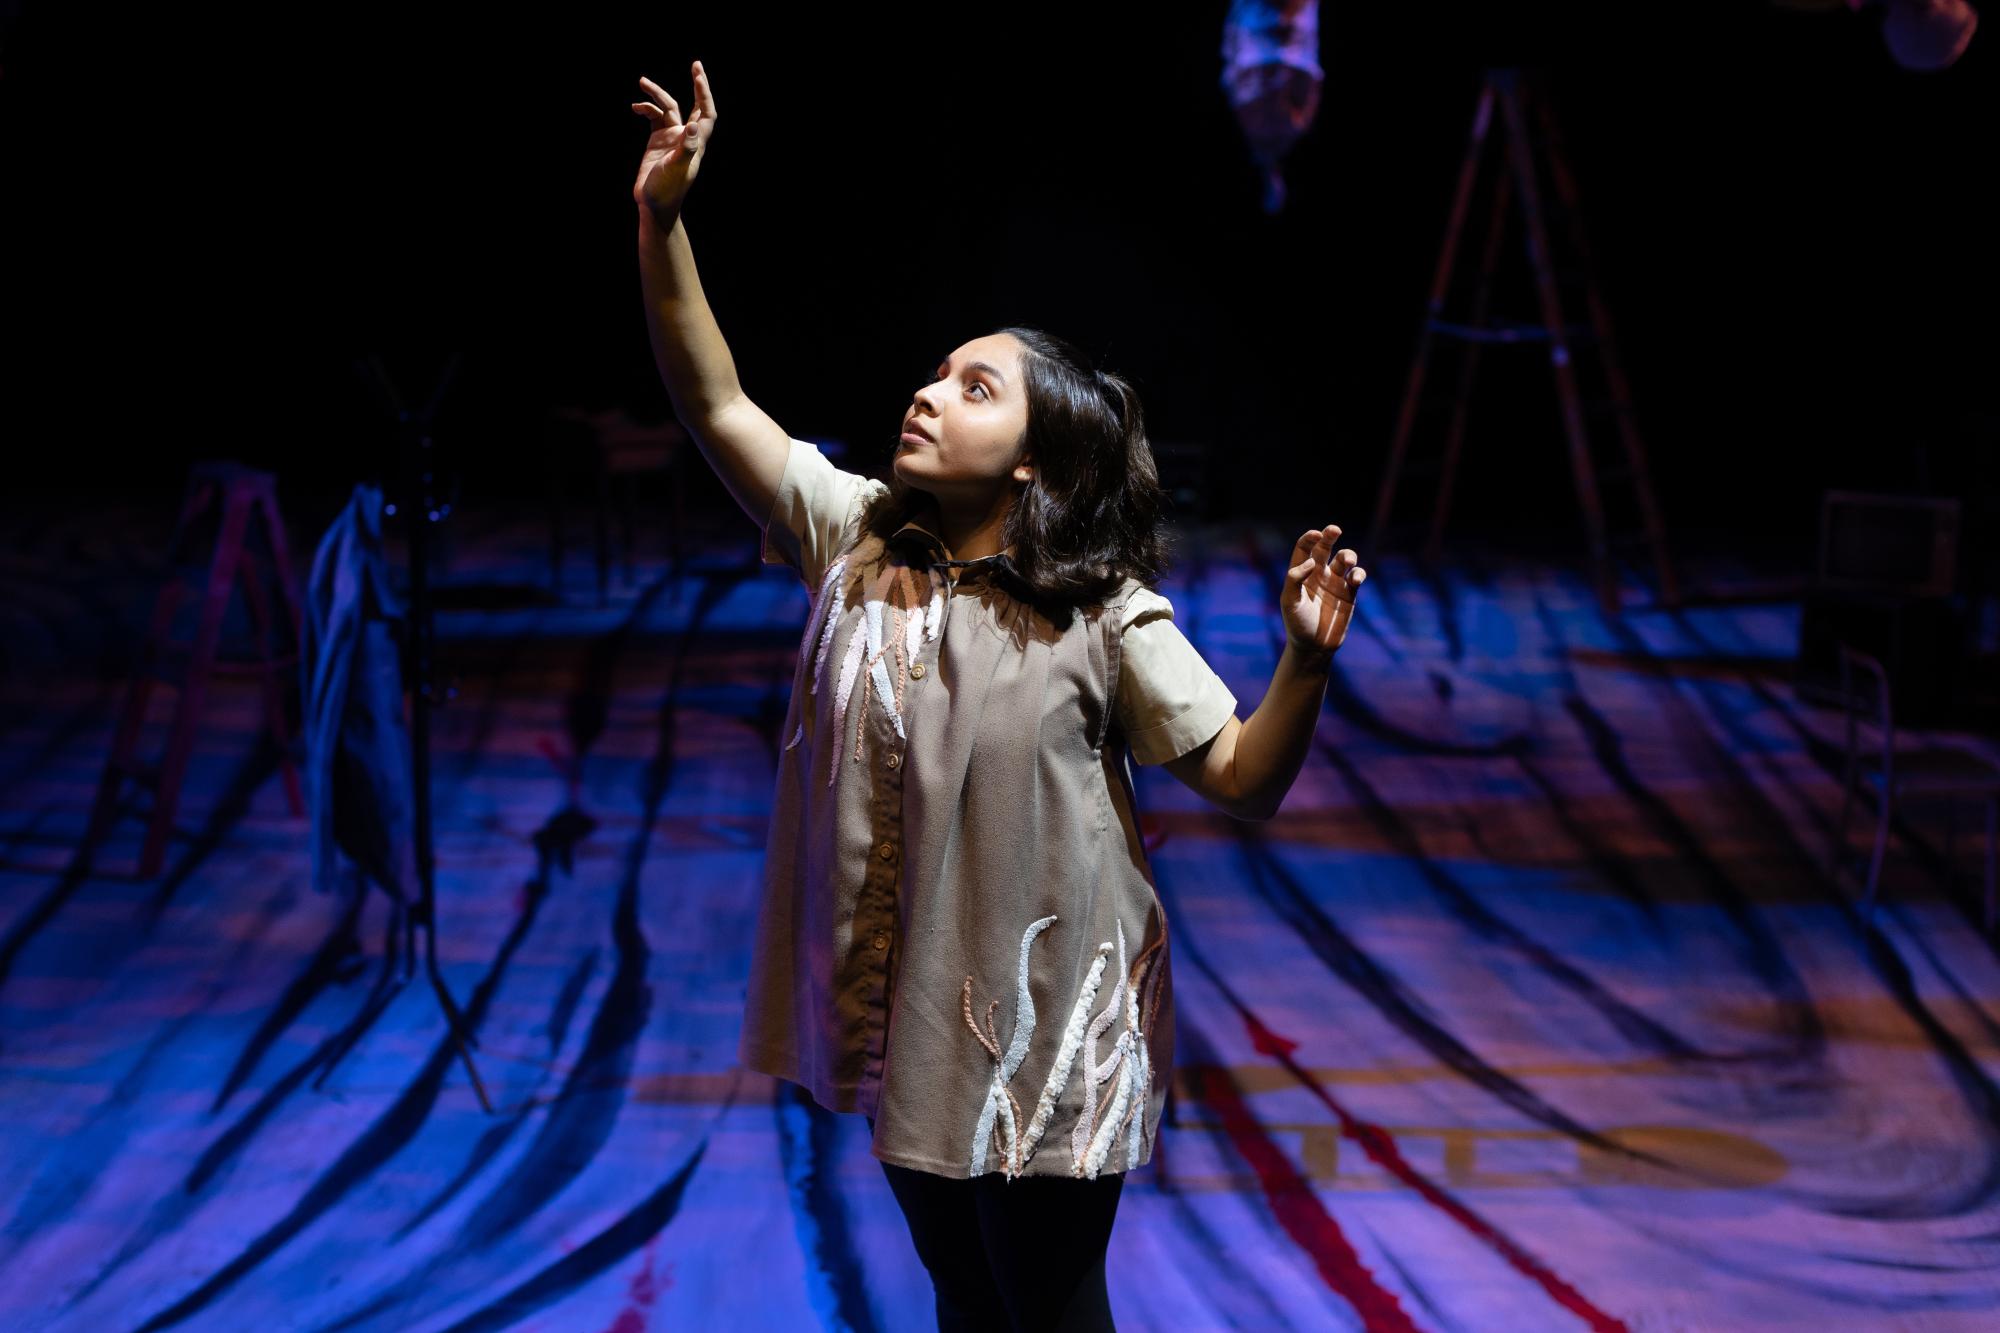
(1381, 1148)
(1299, 1210)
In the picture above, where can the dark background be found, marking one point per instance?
(208, 217)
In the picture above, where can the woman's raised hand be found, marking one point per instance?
(673, 150)
(1318, 600)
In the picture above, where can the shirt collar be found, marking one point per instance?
(920, 536)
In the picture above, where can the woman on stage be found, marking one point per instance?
(959, 937)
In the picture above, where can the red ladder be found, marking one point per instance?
(240, 495)
(1518, 98)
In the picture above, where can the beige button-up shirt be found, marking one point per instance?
(959, 935)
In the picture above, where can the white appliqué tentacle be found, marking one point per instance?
(828, 611)
(842, 692)
(1100, 1144)
(1095, 1074)
(1011, 1128)
(1079, 1018)
(878, 651)
(820, 625)
(999, 1104)
(1142, 1075)
(869, 648)
(1127, 1069)
(934, 615)
(858, 649)
(1024, 1006)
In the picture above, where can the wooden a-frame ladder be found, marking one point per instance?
(1530, 131)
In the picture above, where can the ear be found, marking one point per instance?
(1025, 469)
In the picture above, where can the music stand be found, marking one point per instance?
(421, 508)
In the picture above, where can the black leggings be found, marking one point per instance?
(1021, 1256)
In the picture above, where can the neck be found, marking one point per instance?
(970, 532)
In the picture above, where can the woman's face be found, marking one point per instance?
(973, 422)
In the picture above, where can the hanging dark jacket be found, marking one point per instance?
(358, 784)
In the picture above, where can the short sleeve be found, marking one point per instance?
(1169, 699)
(815, 513)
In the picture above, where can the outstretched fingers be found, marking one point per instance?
(1315, 556)
(1346, 572)
(704, 96)
(1313, 547)
(663, 109)
(1305, 554)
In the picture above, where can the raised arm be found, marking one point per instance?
(745, 447)
(1248, 766)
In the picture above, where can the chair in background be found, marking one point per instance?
(620, 451)
(1949, 771)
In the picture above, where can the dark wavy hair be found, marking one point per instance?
(1094, 514)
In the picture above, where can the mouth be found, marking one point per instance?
(912, 437)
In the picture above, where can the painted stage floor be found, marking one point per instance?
(1534, 1009)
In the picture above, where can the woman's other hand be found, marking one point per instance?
(673, 150)
(1318, 600)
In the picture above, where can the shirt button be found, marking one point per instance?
(881, 940)
(895, 761)
(917, 670)
(886, 850)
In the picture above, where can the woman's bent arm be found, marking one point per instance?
(741, 443)
(1249, 765)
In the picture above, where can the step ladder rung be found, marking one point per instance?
(251, 666)
(179, 653)
(1507, 331)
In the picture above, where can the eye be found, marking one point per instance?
(980, 387)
